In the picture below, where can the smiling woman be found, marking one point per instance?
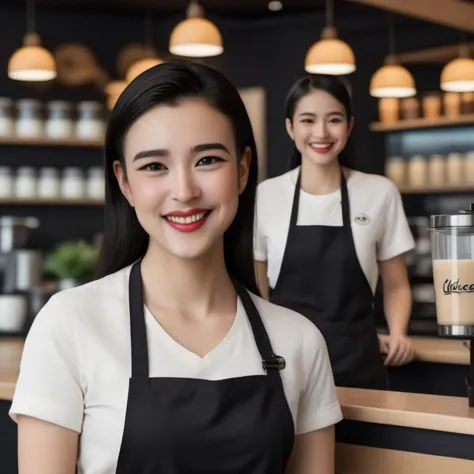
(169, 361)
(335, 231)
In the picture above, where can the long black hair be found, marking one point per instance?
(124, 240)
(308, 83)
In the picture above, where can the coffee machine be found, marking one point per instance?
(452, 250)
(20, 272)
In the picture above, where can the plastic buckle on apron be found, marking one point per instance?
(275, 362)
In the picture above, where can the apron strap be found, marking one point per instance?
(139, 342)
(346, 213)
(140, 363)
(271, 363)
(296, 202)
(346, 210)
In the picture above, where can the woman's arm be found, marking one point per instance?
(48, 403)
(45, 448)
(262, 278)
(313, 453)
(397, 308)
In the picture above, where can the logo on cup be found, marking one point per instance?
(450, 287)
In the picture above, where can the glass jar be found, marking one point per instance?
(437, 170)
(25, 182)
(49, 183)
(455, 169)
(72, 183)
(96, 183)
(417, 171)
(7, 124)
(29, 123)
(90, 123)
(59, 123)
(452, 250)
(6, 182)
(396, 170)
(469, 167)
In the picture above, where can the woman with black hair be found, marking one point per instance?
(169, 362)
(325, 231)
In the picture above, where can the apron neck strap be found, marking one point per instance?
(139, 349)
(140, 368)
(346, 214)
(269, 359)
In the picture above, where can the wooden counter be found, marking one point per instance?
(429, 412)
(396, 432)
(438, 350)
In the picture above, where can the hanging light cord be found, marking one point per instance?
(330, 13)
(30, 16)
(148, 31)
(391, 34)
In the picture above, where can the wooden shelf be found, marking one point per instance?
(437, 189)
(50, 202)
(412, 124)
(72, 143)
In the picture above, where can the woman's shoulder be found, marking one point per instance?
(371, 183)
(90, 300)
(278, 183)
(289, 329)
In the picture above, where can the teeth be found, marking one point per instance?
(321, 145)
(186, 220)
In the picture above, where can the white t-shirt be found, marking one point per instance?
(76, 365)
(379, 226)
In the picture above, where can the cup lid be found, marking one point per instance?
(464, 218)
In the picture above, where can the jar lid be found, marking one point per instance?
(464, 218)
(31, 222)
(34, 103)
(88, 105)
(59, 104)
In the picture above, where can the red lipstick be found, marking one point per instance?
(187, 221)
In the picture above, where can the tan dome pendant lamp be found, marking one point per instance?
(392, 79)
(196, 36)
(32, 62)
(150, 59)
(458, 74)
(330, 55)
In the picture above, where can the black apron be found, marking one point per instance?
(321, 278)
(190, 426)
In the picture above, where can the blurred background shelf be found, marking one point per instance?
(46, 142)
(51, 202)
(468, 188)
(410, 124)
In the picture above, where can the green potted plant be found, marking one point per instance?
(72, 262)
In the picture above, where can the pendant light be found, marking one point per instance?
(458, 74)
(392, 79)
(31, 62)
(150, 58)
(330, 55)
(113, 90)
(196, 36)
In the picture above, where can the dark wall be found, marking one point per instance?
(266, 52)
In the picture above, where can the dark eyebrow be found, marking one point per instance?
(161, 152)
(151, 153)
(310, 114)
(210, 146)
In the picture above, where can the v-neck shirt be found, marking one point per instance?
(379, 224)
(76, 365)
